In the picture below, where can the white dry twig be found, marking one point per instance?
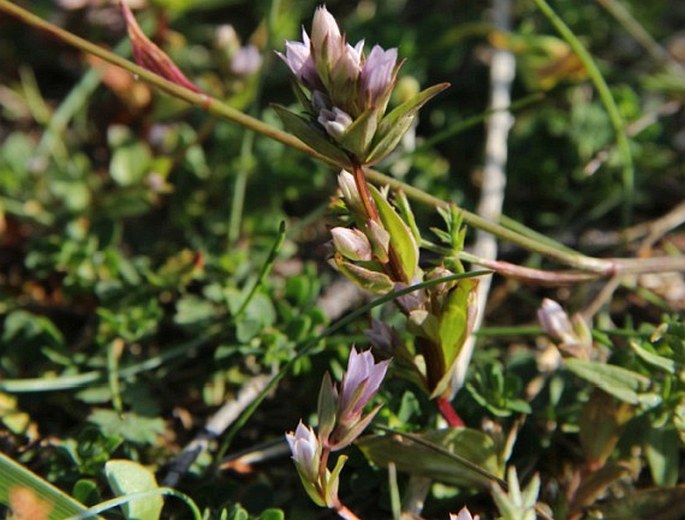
(502, 71)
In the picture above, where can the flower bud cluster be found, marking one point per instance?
(345, 93)
(375, 254)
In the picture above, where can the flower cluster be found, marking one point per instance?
(345, 94)
(341, 421)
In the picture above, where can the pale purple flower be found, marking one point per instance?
(351, 243)
(246, 60)
(347, 67)
(377, 74)
(306, 451)
(335, 121)
(298, 57)
(360, 383)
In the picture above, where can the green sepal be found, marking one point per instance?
(401, 237)
(333, 481)
(312, 136)
(456, 321)
(311, 489)
(373, 281)
(405, 211)
(359, 134)
(393, 126)
(356, 430)
(303, 98)
(387, 140)
(327, 408)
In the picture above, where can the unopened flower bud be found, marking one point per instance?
(326, 38)
(573, 334)
(335, 122)
(555, 321)
(350, 194)
(351, 243)
(306, 451)
(151, 57)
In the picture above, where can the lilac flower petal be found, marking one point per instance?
(377, 73)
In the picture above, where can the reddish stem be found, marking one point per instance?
(393, 265)
(364, 193)
(447, 411)
(345, 513)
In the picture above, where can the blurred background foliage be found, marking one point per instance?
(132, 227)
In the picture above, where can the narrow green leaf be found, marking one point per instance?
(401, 237)
(663, 455)
(620, 382)
(455, 325)
(411, 106)
(359, 134)
(16, 479)
(126, 477)
(386, 141)
(460, 456)
(653, 359)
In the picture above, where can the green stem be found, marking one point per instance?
(607, 99)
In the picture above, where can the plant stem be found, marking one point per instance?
(448, 412)
(362, 187)
(345, 513)
(393, 265)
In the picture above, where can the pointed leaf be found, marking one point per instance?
(386, 141)
(411, 106)
(663, 455)
(405, 211)
(327, 407)
(127, 477)
(416, 459)
(664, 363)
(17, 483)
(397, 122)
(617, 381)
(401, 237)
(456, 321)
(311, 135)
(359, 134)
